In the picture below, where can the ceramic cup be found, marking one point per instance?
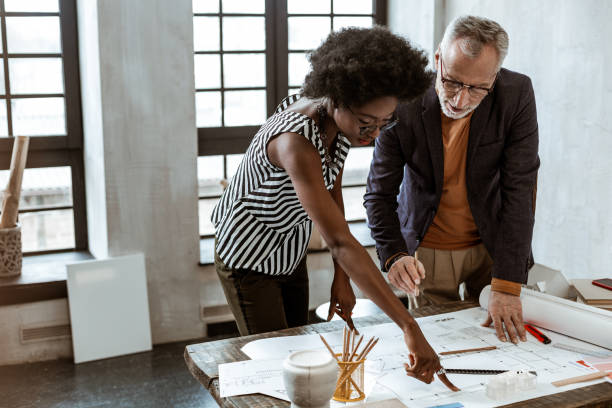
(310, 378)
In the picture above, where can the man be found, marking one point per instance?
(456, 178)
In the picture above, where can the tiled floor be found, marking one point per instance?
(153, 379)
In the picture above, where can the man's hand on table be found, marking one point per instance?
(506, 310)
(342, 299)
(406, 274)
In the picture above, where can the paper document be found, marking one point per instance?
(450, 331)
(250, 376)
(266, 377)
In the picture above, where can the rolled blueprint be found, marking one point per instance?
(10, 205)
(583, 322)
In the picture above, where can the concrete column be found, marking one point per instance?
(137, 84)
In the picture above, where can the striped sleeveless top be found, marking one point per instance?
(260, 224)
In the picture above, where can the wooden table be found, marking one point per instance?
(203, 359)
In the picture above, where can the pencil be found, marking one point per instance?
(355, 348)
(370, 345)
(344, 344)
(336, 358)
(445, 353)
(580, 378)
(370, 349)
(367, 349)
(329, 348)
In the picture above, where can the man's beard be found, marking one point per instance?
(466, 111)
(448, 113)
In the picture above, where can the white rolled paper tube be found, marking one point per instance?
(583, 322)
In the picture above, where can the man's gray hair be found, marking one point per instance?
(475, 32)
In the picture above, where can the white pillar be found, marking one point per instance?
(137, 81)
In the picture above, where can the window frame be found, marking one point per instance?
(57, 150)
(224, 141)
(235, 139)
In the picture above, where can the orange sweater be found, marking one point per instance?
(453, 226)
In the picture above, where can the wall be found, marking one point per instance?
(564, 46)
(45, 318)
(419, 21)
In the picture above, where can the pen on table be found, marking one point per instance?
(537, 334)
(416, 266)
(479, 371)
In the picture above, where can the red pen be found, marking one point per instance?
(537, 334)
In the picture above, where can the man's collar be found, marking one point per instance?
(430, 98)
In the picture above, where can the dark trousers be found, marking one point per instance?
(262, 303)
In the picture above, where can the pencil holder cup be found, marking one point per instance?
(349, 387)
(10, 251)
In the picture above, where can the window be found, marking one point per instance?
(249, 54)
(39, 97)
(308, 23)
(212, 172)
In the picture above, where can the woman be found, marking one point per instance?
(291, 176)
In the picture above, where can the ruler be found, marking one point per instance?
(478, 371)
(581, 350)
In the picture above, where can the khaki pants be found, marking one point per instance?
(262, 303)
(446, 270)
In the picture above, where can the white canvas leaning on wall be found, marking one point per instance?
(109, 308)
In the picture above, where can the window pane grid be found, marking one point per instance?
(254, 88)
(45, 209)
(231, 89)
(302, 41)
(29, 14)
(47, 231)
(26, 96)
(231, 15)
(229, 52)
(331, 15)
(31, 55)
(213, 171)
(336, 14)
(38, 51)
(50, 122)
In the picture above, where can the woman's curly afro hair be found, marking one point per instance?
(356, 65)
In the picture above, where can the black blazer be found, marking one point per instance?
(406, 175)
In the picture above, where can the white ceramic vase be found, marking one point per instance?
(310, 378)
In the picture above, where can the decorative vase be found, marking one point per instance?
(310, 378)
(10, 251)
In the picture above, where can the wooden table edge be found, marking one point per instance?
(597, 398)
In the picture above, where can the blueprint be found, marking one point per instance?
(250, 376)
(445, 332)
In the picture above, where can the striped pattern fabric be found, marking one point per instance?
(260, 224)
